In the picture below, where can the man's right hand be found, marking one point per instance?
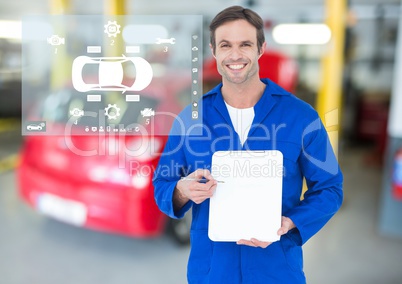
(190, 188)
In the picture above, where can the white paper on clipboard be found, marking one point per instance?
(249, 202)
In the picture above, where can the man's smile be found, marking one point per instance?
(236, 66)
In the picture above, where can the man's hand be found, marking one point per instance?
(254, 243)
(286, 226)
(190, 188)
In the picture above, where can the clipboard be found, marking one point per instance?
(248, 204)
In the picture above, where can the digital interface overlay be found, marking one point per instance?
(131, 75)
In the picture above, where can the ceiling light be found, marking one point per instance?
(301, 34)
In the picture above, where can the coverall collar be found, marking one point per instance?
(261, 109)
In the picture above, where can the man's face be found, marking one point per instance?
(236, 51)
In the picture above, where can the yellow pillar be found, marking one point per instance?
(61, 62)
(59, 6)
(329, 97)
(115, 7)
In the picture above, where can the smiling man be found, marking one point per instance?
(246, 112)
(236, 49)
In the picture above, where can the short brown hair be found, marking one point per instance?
(234, 13)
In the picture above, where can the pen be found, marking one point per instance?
(202, 180)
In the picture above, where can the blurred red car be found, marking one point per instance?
(102, 182)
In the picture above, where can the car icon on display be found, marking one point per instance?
(111, 74)
(147, 112)
(35, 127)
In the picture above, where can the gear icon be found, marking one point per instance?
(112, 111)
(112, 28)
(76, 112)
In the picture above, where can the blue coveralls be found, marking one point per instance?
(282, 122)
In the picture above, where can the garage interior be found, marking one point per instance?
(363, 241)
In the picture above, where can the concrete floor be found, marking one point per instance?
(35, 249)
(350, 249)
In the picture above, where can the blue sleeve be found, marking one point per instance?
(324, 180)
(169, 170)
